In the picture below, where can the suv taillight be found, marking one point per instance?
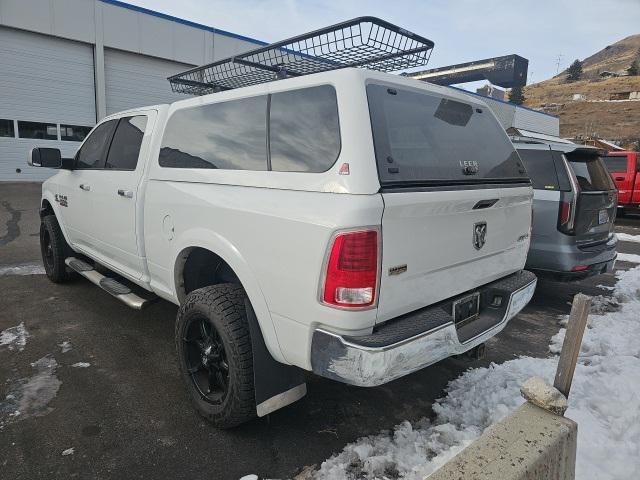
(566, 212)
(351, 273)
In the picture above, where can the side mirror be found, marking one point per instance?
(48, 158)
(45, 157)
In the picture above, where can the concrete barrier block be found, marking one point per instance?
(529, 444)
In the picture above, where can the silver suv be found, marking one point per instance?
(574, 208)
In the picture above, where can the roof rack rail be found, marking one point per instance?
(362, 42)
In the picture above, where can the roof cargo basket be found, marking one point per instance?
(362, 42)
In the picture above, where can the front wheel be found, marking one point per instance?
(214, 354)
(54, 249)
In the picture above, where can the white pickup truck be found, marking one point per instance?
(355, 224)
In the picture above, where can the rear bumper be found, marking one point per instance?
(593, 269)
(419, 339)
(560, 257)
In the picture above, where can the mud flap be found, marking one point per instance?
(276, 384)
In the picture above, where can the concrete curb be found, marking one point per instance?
(530, 444)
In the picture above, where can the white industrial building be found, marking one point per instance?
(65, 64)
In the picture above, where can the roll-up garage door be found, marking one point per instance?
(46, 81)
(134, 80)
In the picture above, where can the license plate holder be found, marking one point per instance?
(466, 309)
(603, 217)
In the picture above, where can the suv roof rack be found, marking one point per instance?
(362, 42)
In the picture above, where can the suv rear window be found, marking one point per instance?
(541, 168)
(421, 138)
(616, 163)
(590, 172)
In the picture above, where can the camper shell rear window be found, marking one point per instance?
(422, 139)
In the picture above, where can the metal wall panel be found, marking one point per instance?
(504, 111)
(134, 31)
(136, 80)
(538, 122)
(42, 79)
(225, 46)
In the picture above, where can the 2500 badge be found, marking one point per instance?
(62, 200)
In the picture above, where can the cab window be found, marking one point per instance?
(125, 146)
(93, 151)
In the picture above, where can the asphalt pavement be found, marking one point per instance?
(126, 414)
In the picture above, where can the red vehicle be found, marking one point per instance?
(624, 168)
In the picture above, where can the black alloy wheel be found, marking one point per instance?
(206, 360)
(46, 249)
(214, 353)
(54, 249)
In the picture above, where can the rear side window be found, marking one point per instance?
(125, 146)
(304, 132)
(94, 149)
(616, 163)
(540, 167)
(230, 135)
(590, 172)
(422, 138)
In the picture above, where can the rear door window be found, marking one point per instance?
(229, 135)
(422, 138)
(616, 163)
(541, 168)
(304, 132)
(93, 151)
(590, 172)
(125, 146)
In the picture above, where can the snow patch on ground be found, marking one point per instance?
(30, 397)
(65, 346)
(22, 269)
(605, 401)
(14, 338)
(628, 257)
(81, 365)
(625, 237)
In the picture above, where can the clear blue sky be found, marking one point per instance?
(462, 30)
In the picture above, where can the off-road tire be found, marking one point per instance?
(223, 305)
(54, 249)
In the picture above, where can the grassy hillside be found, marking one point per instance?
(595, 115)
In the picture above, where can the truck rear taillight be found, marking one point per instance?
(351, 275)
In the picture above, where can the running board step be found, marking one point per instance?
(108, 284)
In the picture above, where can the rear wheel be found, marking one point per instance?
(54, 249)
(214, 354)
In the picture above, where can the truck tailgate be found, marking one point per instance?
(431, 250)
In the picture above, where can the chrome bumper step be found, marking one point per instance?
(110, 285)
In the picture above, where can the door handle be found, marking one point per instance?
(619, 178)
(125, 193)
(84, 187)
